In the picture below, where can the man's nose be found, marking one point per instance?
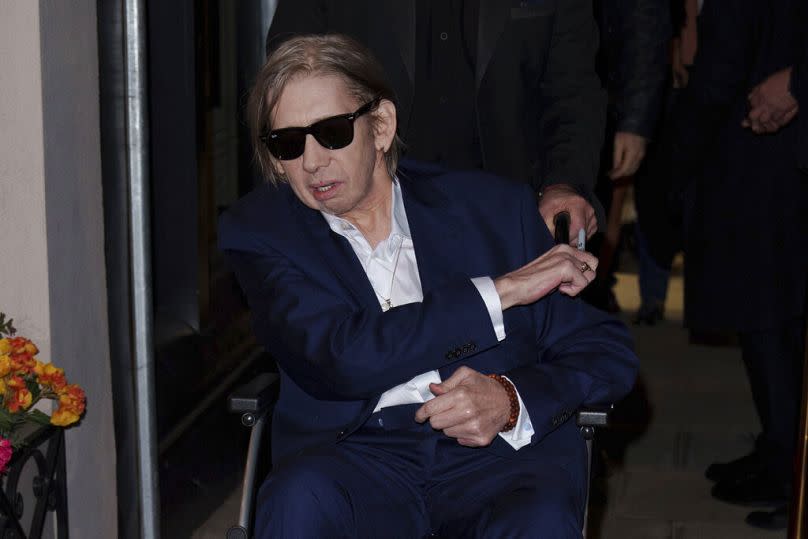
(314, 155)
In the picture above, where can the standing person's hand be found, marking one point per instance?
(771, 105)
(628, 153)
(563, 198)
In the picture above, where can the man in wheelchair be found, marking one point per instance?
(430, 347)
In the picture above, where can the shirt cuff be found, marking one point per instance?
(488, 291)
(519, 436)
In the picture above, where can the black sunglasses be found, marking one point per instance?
(333, 133)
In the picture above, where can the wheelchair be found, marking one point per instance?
(255, 401)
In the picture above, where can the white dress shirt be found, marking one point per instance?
(392, 270)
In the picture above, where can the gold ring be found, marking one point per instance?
(585, 267)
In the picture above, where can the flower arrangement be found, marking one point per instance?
(24, 381)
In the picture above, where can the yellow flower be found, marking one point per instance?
(5, 346)
(49, 375)
(63, 417)
(5, 365)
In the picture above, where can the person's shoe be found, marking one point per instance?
(649, 314)
(753, 491)
(769, 520)
(734, 470)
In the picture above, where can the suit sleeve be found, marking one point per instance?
(799, 89)
(643, 67)
(336, 351)
(585, 356)
(573, 101)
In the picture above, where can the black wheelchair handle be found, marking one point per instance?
(561, 222)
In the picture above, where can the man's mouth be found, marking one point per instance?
(323, 191)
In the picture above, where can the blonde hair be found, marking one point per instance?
(310, 55)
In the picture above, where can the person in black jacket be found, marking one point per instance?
(745, 222)
(504, 86)
(635, 37)
(776, 101)
(633, 64)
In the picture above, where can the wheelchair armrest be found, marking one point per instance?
(593, 416)
(590, 417)
(256, 396)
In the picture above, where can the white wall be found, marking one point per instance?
(52, 278)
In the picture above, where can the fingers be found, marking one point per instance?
(433, 407)
(582, 215)
(629, 150)
(579, 269)
(591, 225)
(457, 378)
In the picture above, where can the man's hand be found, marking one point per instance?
(467, 406)
(629, 150)
(562, 267)
(771, 105)
(558, 198)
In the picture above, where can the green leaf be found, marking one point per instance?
(7, 421)
(33, 387)
(39, 417)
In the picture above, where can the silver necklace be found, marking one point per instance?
(387, 303)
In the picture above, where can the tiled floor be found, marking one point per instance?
(698, 410)
(695, 408)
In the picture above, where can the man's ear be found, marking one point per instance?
(386, 122)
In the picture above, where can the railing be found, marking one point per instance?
(41, 461)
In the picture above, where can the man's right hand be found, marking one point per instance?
(561, 267)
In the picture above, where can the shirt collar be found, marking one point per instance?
(399, 226)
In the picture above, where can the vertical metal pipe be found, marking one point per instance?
(798, 525)
(139, 237)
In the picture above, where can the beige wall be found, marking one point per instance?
(52, 276)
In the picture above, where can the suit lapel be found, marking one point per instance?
(493, 16)
(435, 228)
(336, 253)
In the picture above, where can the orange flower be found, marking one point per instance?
(71, 406)
(20, 397)
(23, 363)
(49, 375)
(5, 345)
(20, 345)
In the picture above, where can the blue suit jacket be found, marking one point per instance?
(316, 313)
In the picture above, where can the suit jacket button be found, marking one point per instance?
(340, 434)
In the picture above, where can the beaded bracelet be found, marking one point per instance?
(514, 413)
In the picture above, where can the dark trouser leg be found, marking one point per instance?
(773, 359)
(484, 495)
(347, 491)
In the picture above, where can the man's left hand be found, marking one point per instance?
(771, 105)
(628, 153)
(560, 198)
(468, 406)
